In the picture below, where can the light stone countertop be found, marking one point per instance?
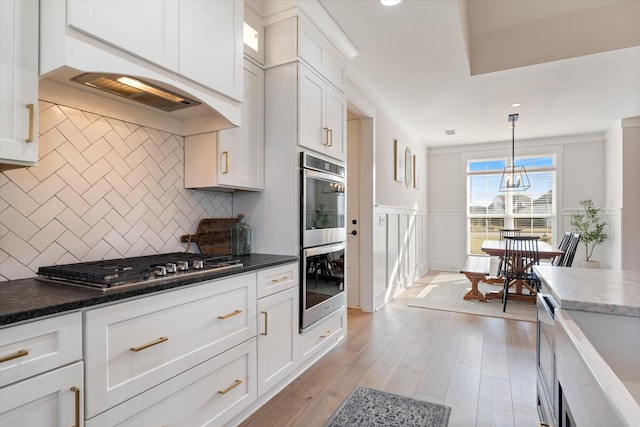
(596, 290)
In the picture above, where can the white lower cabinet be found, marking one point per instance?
(54, 398)
(324, 334)
(41, 374)
(209, 394)
(134, 346)
(277, 339)
(278, 311)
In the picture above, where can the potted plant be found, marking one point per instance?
(589, 224)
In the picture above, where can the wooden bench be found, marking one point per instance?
(476, 269)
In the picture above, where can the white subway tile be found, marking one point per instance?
(18, 199)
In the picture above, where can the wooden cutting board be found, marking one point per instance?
(213, 236)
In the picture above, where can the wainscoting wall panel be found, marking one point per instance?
(400, 251)
(103, 188)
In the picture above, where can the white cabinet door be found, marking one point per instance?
(51, 399)
(277, 338)
(312, 132)
(211, 53)
(148, 29)
(336, 113)
(19, 82)
(322, 115)
(241, 150)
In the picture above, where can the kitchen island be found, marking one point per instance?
(597, 345)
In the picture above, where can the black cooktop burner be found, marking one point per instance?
(131, 271)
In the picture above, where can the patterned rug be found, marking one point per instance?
(368, 407)
(445, 292)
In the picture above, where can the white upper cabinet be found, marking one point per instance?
(19, 82)
(148, 29)
(211, 53)
(200, 40)
(297, 38)
(231, 158)
(322, 115)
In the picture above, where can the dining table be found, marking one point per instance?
(496, 248)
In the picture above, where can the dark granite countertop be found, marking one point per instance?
(28, 299)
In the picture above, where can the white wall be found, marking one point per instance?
(580, 175)
(631, 194)
(400, 216)
(613, 195)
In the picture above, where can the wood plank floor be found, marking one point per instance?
(482, 367)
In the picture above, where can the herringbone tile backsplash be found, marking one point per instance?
(103, 188)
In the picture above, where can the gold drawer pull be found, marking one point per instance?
(151, 344)
(326, 334)
(282, 279)
(233, 313)
(330, 131)
(266, 323)
(235, 384)
(326, 138)
(543, 424)
(76, 391)
(19, 353)
(30, 138)
(226, 161)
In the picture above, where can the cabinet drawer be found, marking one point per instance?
(207, 395)
(325, 334)
(133, 346)
(277, 279)
(36, 347)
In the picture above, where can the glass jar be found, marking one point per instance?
(240, 237)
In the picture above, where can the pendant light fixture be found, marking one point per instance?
(514, 178)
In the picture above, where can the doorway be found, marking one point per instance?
(360, 208)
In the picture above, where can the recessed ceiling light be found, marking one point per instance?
(390, 2)
(517, 104)
(450, 131)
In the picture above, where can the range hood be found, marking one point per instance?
(136, 90)
(90, 74)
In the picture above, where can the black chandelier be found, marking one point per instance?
(514, 178)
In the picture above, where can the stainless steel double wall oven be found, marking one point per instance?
(323, 239)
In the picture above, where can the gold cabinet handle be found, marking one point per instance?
(326, 137)
(282, 279)
(151, 344)
(76, 391)
(266, 323)
(543, 424)
(326, 334)
(233, 313)
(235, 384)
(30, 108)
(330, 135)
(19, 353)
(226, 161)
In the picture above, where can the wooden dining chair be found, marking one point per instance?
(520, 255)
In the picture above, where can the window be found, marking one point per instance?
(488, 210)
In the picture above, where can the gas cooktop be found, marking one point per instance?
(107, 274)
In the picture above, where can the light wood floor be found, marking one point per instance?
(482, 367)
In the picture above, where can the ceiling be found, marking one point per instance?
(443, 65)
